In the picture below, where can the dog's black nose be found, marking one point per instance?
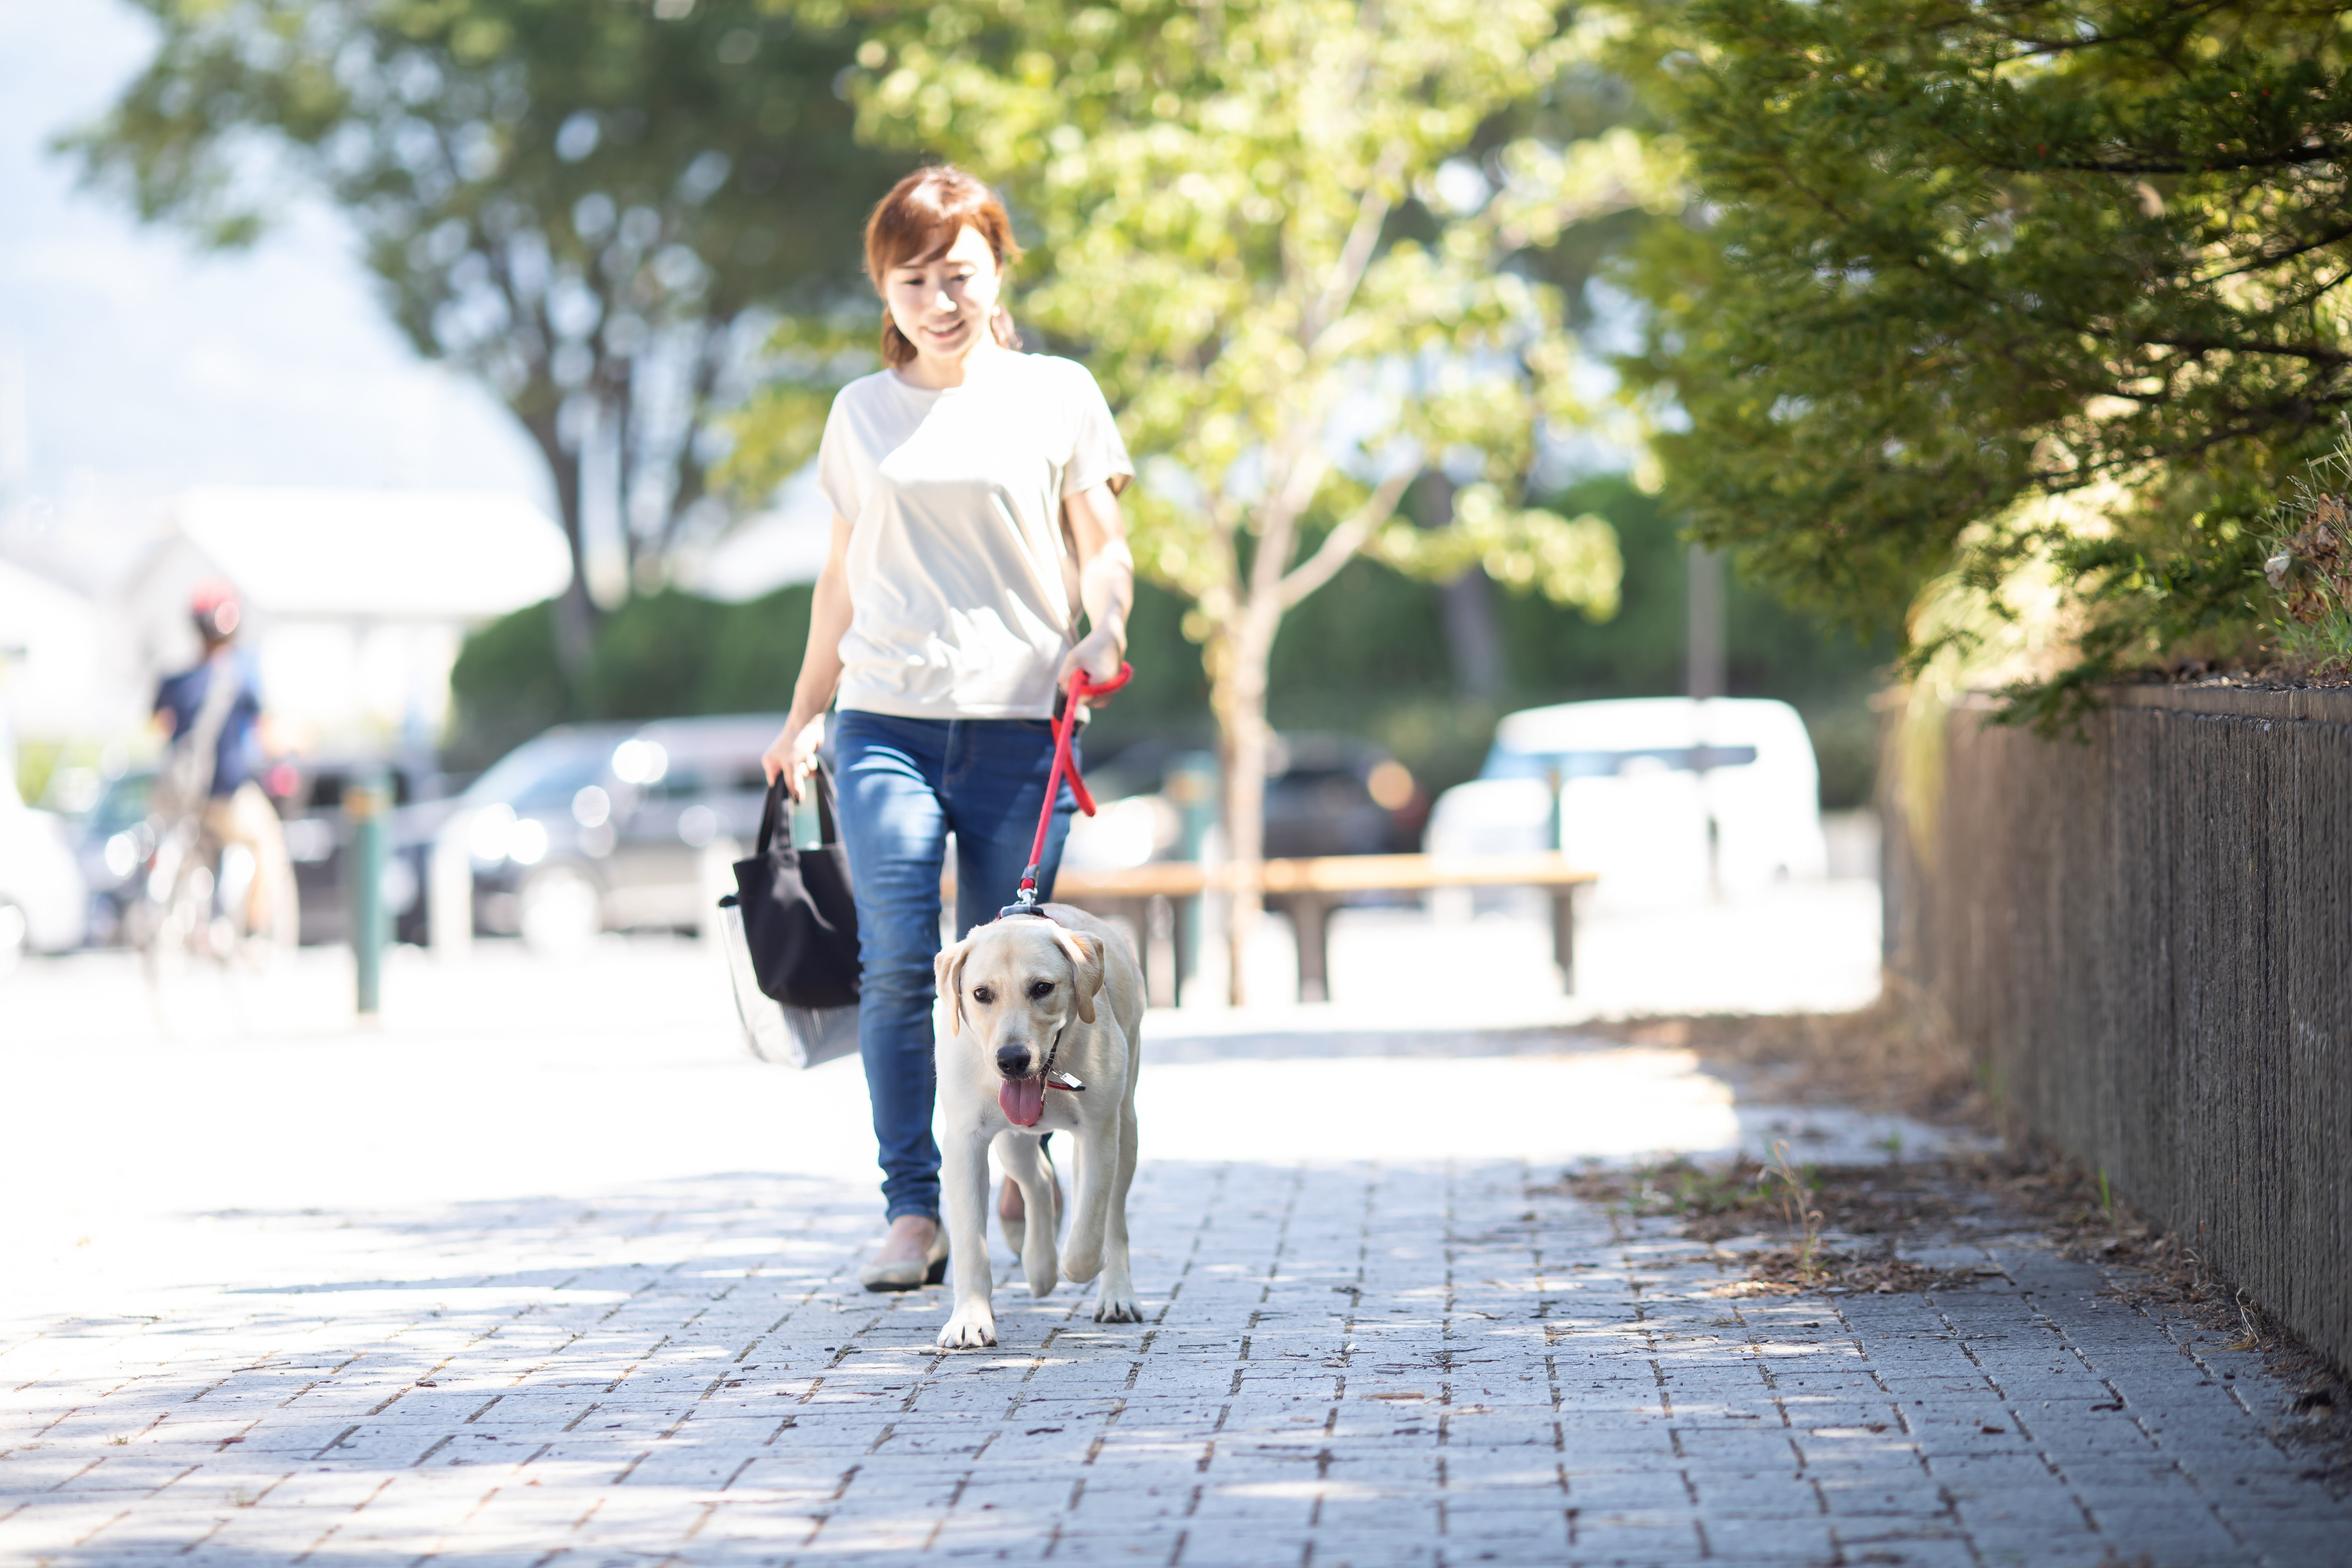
(1013, 1061)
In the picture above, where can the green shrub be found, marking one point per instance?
(2045, 293)
(657, 656)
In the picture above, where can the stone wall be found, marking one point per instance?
(2145, 939)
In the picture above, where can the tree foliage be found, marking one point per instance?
(594, 208)
(1274, 231)
(1240, 227)
(1960, 256)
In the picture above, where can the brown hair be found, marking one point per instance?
(918, 221)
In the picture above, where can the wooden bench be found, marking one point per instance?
(1308, 890)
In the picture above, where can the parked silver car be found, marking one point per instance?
(44, 902)
(594, 827)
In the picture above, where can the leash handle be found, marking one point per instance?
(1084, 688)
(1080, 690)
(1065, 724)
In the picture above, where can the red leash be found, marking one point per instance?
(1026, 900)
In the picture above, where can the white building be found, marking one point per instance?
(61, 674)
(356, 603)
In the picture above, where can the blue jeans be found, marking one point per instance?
(906, 784)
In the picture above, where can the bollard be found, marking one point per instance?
(367, 806)
(714, 877)
(449, 892)
(1191, 789)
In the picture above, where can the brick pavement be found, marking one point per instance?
(1343, 1365)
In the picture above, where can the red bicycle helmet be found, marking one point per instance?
(214, 606)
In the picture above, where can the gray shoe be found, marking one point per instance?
(907, 1274)
(1013, 1210)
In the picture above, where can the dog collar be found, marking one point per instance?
(1046, 1071)
(1067, 1083)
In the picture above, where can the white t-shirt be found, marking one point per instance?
(963, 590)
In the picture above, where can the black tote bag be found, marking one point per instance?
(799, 918)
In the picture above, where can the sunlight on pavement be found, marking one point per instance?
(508, 1078)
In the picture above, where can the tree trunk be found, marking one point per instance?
(1481, 665)
(1704, 661)
(575, 632)
(1473, 644)
(575, 612)
(1239, 696)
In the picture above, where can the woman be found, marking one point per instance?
(975, 514)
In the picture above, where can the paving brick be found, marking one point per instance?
(689, 1375)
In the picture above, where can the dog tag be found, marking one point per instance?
(1064, 1080)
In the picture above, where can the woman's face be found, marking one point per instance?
(942, 306)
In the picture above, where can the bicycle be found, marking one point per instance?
(195, 906)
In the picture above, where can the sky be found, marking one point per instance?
(134, 366)
(147, 366)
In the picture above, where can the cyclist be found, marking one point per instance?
(219, 699)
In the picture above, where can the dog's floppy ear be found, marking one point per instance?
(948, 967)
(1086, 955)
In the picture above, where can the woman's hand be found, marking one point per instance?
(793, 755)
(1106, 584)
(1098, 656)
(794, 752)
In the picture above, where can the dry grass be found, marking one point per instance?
(2268, 670)
(1785, 1272)
(1800, 1203)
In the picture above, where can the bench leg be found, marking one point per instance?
(1563, 936)
(1311, 921)
(1156, 920)
(1179, 941)
(1137, 913)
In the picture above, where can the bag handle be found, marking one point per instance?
(828, 833)
(769, 811)
(773, 813)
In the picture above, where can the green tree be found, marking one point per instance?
(1269, 229)
(596, 209)
(2046, 290)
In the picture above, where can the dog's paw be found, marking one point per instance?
(971, 1329)
(1118, 1307)
(1081, 1263)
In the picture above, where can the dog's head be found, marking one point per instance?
(1015, 984)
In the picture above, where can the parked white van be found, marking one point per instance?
(44, 902)
(1670, 799)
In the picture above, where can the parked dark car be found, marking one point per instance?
(1336, 795)
(310, 797)
(604, 827)
(1324, 793)
(111, 843)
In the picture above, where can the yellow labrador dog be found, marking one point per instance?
(1041, 1033)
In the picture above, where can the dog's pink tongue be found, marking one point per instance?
(1024, 1100)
